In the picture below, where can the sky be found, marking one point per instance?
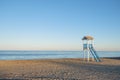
(59, 24)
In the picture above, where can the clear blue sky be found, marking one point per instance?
(59, 24)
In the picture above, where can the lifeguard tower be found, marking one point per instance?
(88, 50)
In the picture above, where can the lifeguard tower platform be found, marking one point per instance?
(88, 49)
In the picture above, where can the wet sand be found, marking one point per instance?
(60, 69)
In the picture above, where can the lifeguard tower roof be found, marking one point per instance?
(87, 38)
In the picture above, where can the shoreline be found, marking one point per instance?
(57, 59)
(60, 69)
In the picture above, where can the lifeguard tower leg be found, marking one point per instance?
(88, 56)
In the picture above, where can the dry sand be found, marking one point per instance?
(59, 69)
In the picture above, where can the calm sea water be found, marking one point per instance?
(26, 55)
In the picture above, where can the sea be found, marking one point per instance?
(29, 55)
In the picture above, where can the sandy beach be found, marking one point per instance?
(59, 69)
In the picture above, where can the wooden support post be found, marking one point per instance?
(84, 55)
(88, 56)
